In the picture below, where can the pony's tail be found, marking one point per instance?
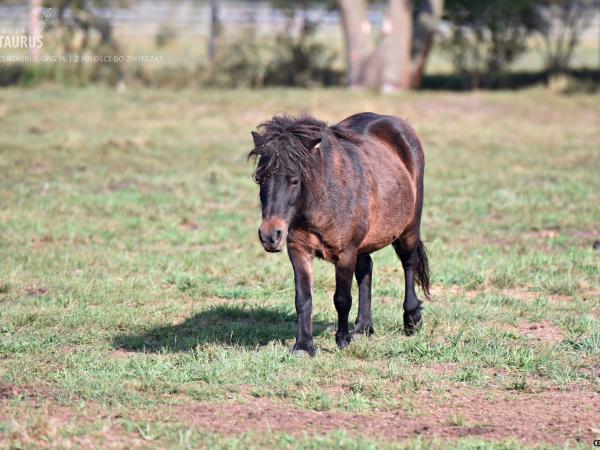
(422, 269)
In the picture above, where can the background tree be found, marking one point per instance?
(35, 25)
(560, 25)
(425, 27)
(82, 31)
(399, 58)
(487, 36)
(215, 28)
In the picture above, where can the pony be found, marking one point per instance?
(340, 193)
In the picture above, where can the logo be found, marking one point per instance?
(43, 15)
(19, 38)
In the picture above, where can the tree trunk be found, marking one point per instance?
(428, 16)
(215, 28)
(399, 60)
(373, 68)
(397, 46)
(35, 26)
(357, 34)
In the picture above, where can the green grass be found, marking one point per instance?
(131, 278)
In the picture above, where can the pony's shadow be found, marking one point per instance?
(230, 325)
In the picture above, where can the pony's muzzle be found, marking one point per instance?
(272, 234)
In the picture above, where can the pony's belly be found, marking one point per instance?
(375, 242)
(388, 224)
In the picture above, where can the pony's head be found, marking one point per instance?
(286, 152)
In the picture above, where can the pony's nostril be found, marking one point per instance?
(275, 237)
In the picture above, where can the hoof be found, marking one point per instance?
(343, 339)
(362, 330)
(302, 349)
(412, 323)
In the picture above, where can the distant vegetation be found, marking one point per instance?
(481, 40)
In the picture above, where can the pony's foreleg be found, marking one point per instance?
(342, 299)
(363, 274)
(303, 276)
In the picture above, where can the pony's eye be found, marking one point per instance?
(295, 181)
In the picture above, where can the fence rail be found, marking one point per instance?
(146, 17)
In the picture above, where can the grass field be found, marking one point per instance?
(138, 309)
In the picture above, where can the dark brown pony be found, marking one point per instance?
(340, 193)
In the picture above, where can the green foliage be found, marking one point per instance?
(12, 74)
(302, 61)
(238, 63)
(165, 35)
(560, 24)
(286, 60)
(487, 36)
(77, 30)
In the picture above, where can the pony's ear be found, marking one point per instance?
(316, 144)
(259, 140)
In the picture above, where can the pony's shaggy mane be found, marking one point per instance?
(287, 143)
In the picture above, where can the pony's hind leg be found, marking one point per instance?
(414, 261)
(363, 274)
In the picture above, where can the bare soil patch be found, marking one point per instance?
(189, 225)
(442, 369)
(549, 233)
(10, 391)
(592, 294)
(49, 425)
(541, 331)
(120, 353)
(36, 291)
(440, 291)
(553, 417)
(521, 293)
